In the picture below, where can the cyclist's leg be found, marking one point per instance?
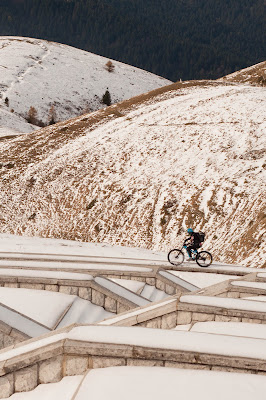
(194, 251)
(188, 249)
(196, 248)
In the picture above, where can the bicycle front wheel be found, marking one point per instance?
(175, 257)
(204, 259)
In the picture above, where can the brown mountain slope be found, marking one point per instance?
(255, 75)
(140, 172)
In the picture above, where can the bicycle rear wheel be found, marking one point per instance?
(204, 259)
(176, 257)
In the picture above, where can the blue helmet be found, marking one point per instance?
(190, 230)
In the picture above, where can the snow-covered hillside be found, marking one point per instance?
(40, 74)
(141, 172)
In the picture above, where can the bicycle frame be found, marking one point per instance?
(193, 251)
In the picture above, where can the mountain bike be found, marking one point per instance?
(203, 258)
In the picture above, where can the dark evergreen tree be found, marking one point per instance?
(106, 99)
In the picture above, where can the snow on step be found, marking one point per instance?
(121, 291)
(235, 304)
(62, 247)
(201, 279)
(24, 308)
(42, 306)
(153, 294)
(229, 328)
(181, 282)
(206, 343)
(75, 258)
(148, 291)
(31, 273)
(151, 383)
(157, 383)
(134, 286)
(255, 285)
(21, 322)
(63, 390)
(69, 265)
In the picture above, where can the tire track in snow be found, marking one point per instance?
(2, 66)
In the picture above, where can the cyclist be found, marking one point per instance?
(193, 242)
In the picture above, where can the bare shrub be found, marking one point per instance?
(32, 116)
(109, 66)
(52, 116)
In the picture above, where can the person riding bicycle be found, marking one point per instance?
(203, 258)
(193, 242)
